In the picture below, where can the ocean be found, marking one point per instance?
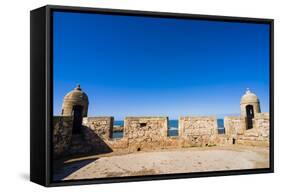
(221, 129)
(118, 134)
(173, 128)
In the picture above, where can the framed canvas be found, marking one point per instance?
(121, 95)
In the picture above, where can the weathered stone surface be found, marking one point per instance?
(145, 133)
(249, 98)
(62, 133)
(75, 98)
(102, 126)
(198, 131)
(257, 136)
(151, 133)
(234, 125)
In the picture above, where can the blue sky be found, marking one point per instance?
(131, 66)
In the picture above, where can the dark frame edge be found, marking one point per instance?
(38, 129)
(271, 92)
(49, 89)
(159, 14)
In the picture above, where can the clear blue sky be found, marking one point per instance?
(131, 66)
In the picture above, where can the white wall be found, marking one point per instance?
(14, 94)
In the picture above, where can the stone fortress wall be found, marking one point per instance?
(237, 132)
(151, 133)
(62, 135)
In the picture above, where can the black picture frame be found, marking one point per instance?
(41, 93)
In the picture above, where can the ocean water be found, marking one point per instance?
(221, 129)
(118, 134)
(120, 123)
(173, 128)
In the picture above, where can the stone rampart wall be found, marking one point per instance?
(151, 133)
(62, 133)
(259, 134)
(198, 131)
(145, 133)
(236, 132)
(98, 133)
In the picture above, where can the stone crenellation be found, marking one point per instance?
(95, 135)
(199, 131)
(145, 133)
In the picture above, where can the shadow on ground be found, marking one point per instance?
(62, 169)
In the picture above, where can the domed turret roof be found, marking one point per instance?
(77, 95)
(249, 97)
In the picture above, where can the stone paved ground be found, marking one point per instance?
(163, 162)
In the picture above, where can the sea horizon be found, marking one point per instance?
(173, 127)
(173, 123)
